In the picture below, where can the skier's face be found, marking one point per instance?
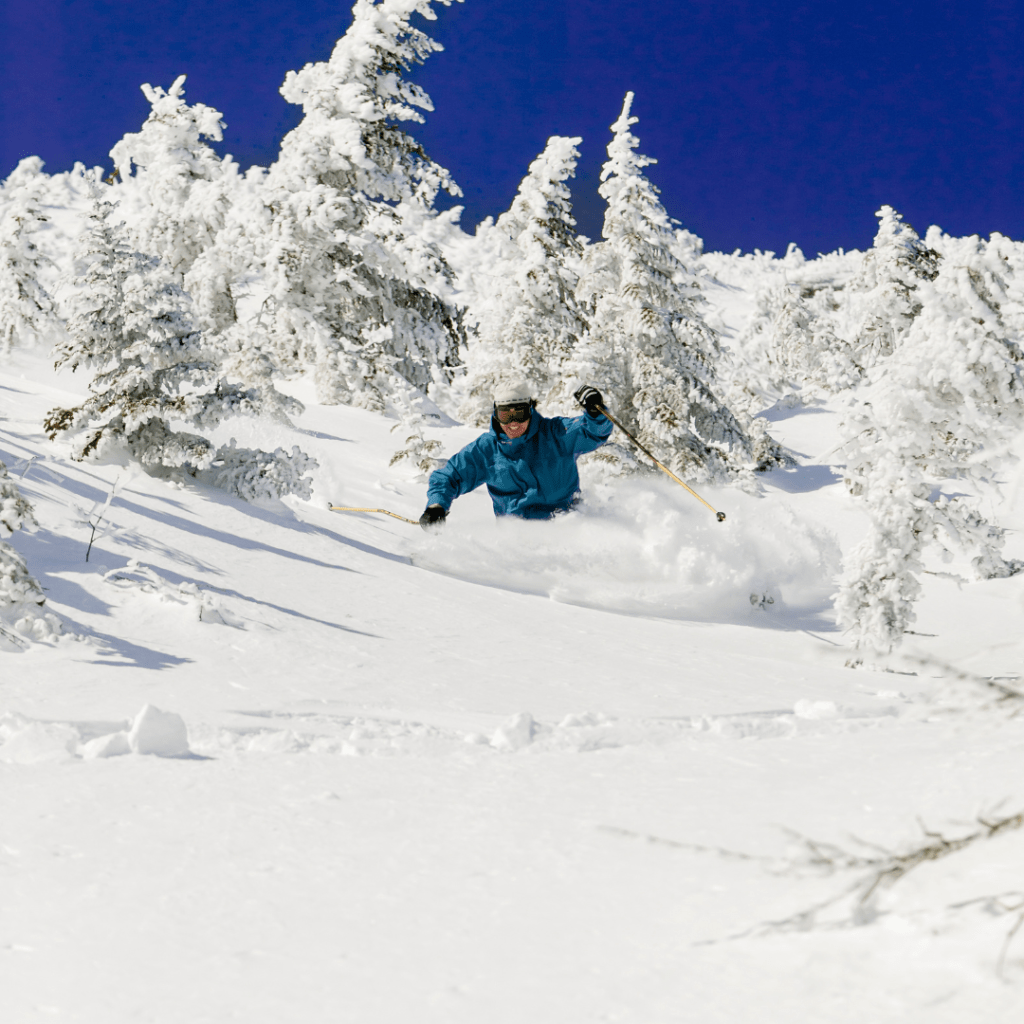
(514, 418)
(515, 429)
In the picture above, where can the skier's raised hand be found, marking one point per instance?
(590, 398)
(433, 517)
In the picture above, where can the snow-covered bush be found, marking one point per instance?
(883, 299)
(648, 348)
(261, 476)
(352, 281)
(525, 319)
(943, 406)
(26, 308)
(21, 596)
(791, 343)
(15, 511)
(420, 452)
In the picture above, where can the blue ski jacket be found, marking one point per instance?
(533, 476)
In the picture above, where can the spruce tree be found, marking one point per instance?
(174, 190)
(648, 348)
(352, 283)
(883, 299)
(525, 321)
(184, 204)
(939, 412)
(26, 308)
(133, 324)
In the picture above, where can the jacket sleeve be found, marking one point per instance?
(464, 471)
(585, 433)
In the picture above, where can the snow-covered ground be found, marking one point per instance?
(515, 771)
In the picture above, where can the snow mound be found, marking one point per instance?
(635, 547)
(158, 732)
(26, 741)
(142, 579)
(29, 741)
(516, 733)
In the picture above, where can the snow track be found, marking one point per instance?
(647, 548)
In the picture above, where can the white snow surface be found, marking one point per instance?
(292, 765)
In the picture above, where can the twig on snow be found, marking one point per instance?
(95, 517)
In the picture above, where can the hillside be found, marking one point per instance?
(555, 770)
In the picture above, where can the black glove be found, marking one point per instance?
(590, 398)
(433, 517)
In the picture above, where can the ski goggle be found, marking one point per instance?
(516, 412)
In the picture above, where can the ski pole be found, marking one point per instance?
(719, 515)
(383, 511)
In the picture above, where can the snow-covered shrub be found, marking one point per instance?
(792, 343)
(420, 452)
(352, 281)
(943, 406)
(26, 308)
(254, 475)
(143, 579)
(525, 320)
(17, 586)
(15, 511)
(21, 596)
(648, 348)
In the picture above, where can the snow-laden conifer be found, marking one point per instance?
(353, 283)
(937, 415)
(525, 321)
(26, 308)
(648, 348)
(883, 299)
(133, 324)
(174, 190)
(185, 205)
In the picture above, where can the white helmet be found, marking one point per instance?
(512, 390)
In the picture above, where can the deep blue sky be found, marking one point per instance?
(771, 121)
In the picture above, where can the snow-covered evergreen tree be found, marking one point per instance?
(184, 204)
(21, 596)
(26, 309)
(353, 283)
(133, 324)
(942, 407)
(648, 347)
(883, 299)
(174, 189)
(527, 321)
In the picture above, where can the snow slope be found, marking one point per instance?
(512, 771)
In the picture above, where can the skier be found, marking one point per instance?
(528, 461)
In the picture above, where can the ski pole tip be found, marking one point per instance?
(721, 516)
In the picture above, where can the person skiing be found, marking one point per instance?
(528, 461)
